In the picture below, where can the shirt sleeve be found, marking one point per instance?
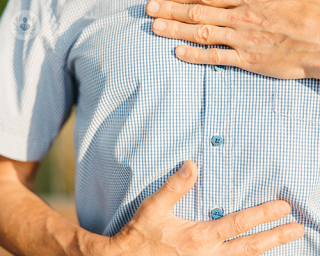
(36, 91)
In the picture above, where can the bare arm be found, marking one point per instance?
(28, 226)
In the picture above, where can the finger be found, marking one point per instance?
(201, 34)
(260, 243)
(215, 3)
(194, 14)
(238, 223)
(212, 56)
(175, 187)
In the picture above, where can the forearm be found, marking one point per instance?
(28, 226)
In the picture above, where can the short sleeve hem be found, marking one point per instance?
(22, 149)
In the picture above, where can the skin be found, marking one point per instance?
(28, 226)
(270, 37)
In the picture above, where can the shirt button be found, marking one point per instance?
(219, 68)
(217, 141)
(216, 213)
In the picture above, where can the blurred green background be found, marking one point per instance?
(55, 176)
(56, 173)
(2, 5)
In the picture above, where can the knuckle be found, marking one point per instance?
(253, 59)
(197, 56)
(251, 17)
(147, 205)
(171, 185)
(195, 13)
(202, 34)
(233, 18)
(214, 56)
(175, 28)
(245, 17)
(267, 213)
(168, 11)
(146, 210)
(283, 236)
(240, 224)
(195, 239)
(253, 247)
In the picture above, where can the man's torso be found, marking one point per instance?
(142, 113)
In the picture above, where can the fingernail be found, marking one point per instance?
(283, 210)
(153, 6)
(296, 233)
(185, 171)
(159, 25)
(181, 51)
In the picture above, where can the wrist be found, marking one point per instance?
(62, 235)
(76, 241)
(128, 242)
(88, 243)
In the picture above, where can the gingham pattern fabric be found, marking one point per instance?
(142, 112)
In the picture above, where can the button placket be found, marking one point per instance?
(216, 149)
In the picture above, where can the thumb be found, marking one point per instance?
(176, 186)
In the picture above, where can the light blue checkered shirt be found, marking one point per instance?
(142, 112)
